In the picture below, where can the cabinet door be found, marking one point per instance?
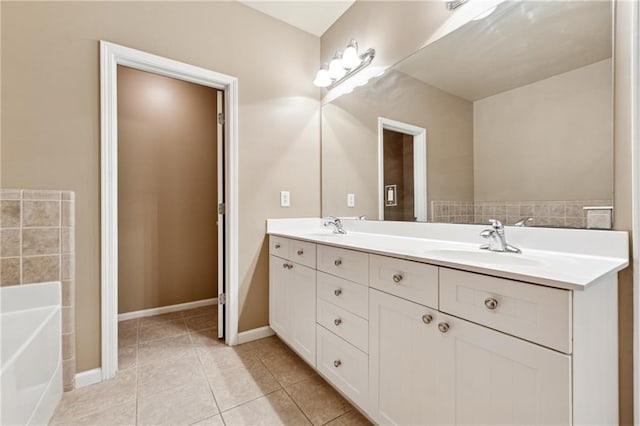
(279, 303)
(499, 379)
(302, 301)
(405, 363)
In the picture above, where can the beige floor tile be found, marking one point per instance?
(96, 398)
(128, 337)
(127, 356)
(352, 418)
(207, 337)
(182, 405)
(209, 309)
(274, 409)
(288, 369)
(319, 401)
(159, 319)
(211, 421)
(269, 347)
(219, 358)
(165, 349)
(128, 324)
(162, 331)
(121, 415)
(202, 322)
(235, 386)
(164, 375)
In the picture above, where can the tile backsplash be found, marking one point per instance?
(565, 214)
(37, 245)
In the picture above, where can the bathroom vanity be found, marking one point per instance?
(416, 325)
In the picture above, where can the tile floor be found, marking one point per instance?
(174, 371)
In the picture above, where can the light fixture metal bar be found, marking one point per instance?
(365, 59)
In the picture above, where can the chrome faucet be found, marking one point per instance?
(497, 241)
(337, 225)
(525, 221)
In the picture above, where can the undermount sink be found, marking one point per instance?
(481, 256)
(323, 234)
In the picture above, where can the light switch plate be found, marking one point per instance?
(285, 199)
(351, 200)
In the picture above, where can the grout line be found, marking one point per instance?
(296, 403)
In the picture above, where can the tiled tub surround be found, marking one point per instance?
(565, 214)
(37, 245)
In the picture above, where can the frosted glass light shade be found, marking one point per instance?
(322, 78)
(350, 58)
(336, 69)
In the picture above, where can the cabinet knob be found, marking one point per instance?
(300, 252)
(337, 363)
(277, 245)
(285, 266)
(337, 321)
(337, 291)
(290, 266)
(427, 318)
(337, 262)
(443, 327)
(397, 278)
(491, 303)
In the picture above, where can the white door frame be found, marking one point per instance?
(419, 165)
(112, 55)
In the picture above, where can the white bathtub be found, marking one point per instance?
(31, 353)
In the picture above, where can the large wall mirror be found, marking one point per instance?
(509, 116)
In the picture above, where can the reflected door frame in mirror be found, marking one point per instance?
(419, 165)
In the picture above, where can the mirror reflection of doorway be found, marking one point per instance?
(402, 171)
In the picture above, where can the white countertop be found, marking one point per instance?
(560, 266)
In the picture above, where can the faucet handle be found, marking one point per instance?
(496, 224)
(487, 233)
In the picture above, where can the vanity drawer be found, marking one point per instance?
(533, 312)
(409, 280)
(303, 253)
(279, 246)
(350, 327)
(343, 293)
(343, 365)
(348, 264)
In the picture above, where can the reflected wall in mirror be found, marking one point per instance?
(517, 112)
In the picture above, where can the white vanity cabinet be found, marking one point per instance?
(292, 295)
(414, 343)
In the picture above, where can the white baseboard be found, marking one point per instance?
(89, 377)
(166, 309)
(255, 334)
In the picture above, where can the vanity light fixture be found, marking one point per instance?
(343, 65)
(454, 4)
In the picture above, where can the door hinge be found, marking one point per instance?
(221, 118)
(222, 298)
(221, 208)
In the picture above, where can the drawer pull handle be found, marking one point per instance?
(337, 321)
(300, 252)
(337, 262)
(491, 303)
(397, 278)
(337, 363)
(337, 291)
(427, 318)
(277, 245)
(443, 327)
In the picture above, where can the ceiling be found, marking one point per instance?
(520, 43)
(312, 16)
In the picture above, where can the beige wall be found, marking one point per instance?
(556, 134)
(350, 142)
(167, 191)
(398, 29)
(51, 119)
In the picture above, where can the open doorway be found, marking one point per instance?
(170, 251)
(173, 245)
(402, 171)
